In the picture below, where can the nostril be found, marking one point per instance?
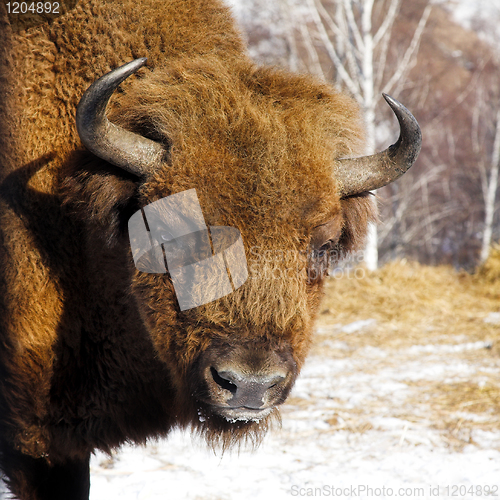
(223, 382)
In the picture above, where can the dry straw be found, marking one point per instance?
(414, 304)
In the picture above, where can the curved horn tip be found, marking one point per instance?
(402, 112)
(357, 175)
(131, 67)
(114, 144)
(410, 133)
(95, 98)
(393, 103)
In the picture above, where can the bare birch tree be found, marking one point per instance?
(489, 192)
(358, 45)
(486, 124)
(487, 162)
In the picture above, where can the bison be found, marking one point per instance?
(95, 352)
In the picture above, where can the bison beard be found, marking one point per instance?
(94, 353)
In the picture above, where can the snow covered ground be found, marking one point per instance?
(360, 423)
(363, 421)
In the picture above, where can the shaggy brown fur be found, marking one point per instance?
(94, 353)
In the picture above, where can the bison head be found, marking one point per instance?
(268, 153)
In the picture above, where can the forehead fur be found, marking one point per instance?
(257, 138)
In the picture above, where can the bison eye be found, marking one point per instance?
(325, 248)
(325, 236)
(320, 260)
(323, 252)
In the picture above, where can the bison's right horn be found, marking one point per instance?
(122, 148)
(357, 175)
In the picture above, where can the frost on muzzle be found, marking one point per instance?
(204, 263)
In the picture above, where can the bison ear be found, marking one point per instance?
(100, 196)
(357, 211)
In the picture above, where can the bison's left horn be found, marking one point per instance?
(357, 175)
(122, 148)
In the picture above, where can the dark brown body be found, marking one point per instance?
(94, 353)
